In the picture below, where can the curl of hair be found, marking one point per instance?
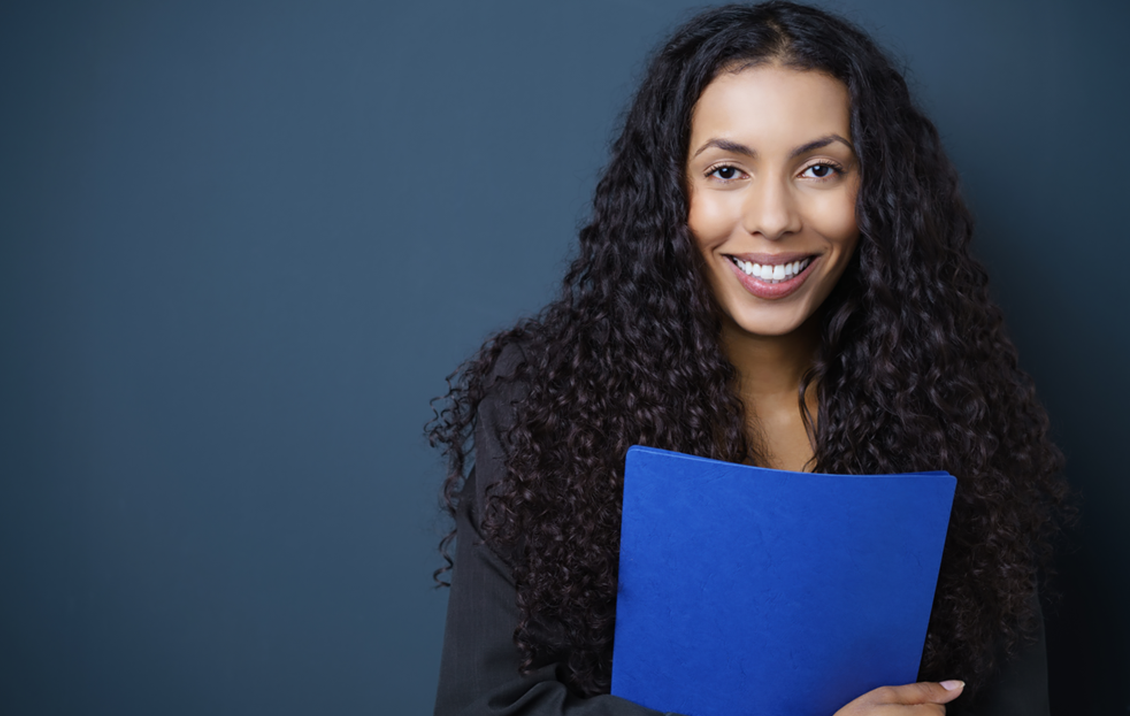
(914, 370)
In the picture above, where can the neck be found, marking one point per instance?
(769, 372)
(770, 367)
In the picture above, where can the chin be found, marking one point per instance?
(766, 329)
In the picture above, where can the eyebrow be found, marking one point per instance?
(738, 148)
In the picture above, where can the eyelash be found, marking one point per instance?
(715, 169)
(836, 170)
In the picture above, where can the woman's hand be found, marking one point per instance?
(925, 697)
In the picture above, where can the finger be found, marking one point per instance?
(923, 692)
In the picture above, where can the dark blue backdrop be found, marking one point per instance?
(242, 243)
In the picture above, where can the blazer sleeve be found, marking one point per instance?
(479, 668)
(1020, 688)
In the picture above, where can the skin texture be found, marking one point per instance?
(755, 190)
(921, 699)
(771, 176)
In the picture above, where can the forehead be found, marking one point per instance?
(770, 103)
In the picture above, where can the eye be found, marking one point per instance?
(822, 170)
(725, 173)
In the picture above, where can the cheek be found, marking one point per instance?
(709, 221)
(834, 219)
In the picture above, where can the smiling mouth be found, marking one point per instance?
(772, 273)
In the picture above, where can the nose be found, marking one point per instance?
(771, 210)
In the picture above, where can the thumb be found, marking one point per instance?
(924, 692)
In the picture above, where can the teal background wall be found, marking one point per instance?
(241, 244)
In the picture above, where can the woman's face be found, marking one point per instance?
(772, 179)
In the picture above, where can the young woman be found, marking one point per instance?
(777, 272)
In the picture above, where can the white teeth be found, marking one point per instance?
(772, 273)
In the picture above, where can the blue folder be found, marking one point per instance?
(747, 590)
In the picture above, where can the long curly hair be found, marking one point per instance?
(914, 370)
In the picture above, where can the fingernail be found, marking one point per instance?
(952, 685)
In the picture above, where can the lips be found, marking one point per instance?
(772, 276)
